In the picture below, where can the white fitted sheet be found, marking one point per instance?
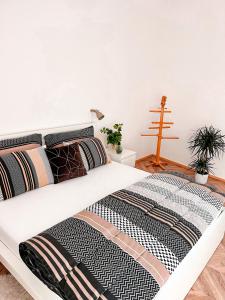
(31, 213)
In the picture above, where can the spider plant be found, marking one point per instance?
(207, 142)
(202, 166)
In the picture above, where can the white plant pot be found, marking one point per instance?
(201, 179)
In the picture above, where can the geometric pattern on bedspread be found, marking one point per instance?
(148, 241)
(126, 245)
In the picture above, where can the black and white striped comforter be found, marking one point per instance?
(126, 245)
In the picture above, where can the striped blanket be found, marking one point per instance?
(126, 245)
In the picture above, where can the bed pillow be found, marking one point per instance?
(20, 143)
(66, 162)
(56, 140)
(93, 153)
(23, 171)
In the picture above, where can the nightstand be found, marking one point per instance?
(127, 157)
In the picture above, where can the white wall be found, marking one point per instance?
(60, 58)
(191, 52)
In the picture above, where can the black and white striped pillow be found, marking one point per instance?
(21, 143)
(93, 153)
(58, 139)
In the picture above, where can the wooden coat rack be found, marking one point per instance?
(160, 126)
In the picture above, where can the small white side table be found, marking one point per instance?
(127, 157)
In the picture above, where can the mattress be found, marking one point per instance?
(22, 217)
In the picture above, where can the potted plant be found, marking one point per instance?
(202, 168)
(206, 144)
(114, 136)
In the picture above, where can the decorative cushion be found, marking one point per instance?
(20, 143)
(93, 153)
(66, 162)
(56, 140)
(23, 171)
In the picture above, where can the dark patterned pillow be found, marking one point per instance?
(56, 140)
(20, 143)
(23, 171)
(93, 153)
(66, 162)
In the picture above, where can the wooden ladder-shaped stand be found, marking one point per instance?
(161, 125)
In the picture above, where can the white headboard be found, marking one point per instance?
(45, 131)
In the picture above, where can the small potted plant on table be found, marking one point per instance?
(206, 144)
(114, 136)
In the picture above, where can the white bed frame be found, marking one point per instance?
(179, 283)
(48, 130)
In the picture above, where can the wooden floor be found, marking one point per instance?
(211, 283)
(172, 166)
(3, 271)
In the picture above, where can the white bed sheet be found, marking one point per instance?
(31, 213)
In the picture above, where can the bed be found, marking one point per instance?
(18, 224)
